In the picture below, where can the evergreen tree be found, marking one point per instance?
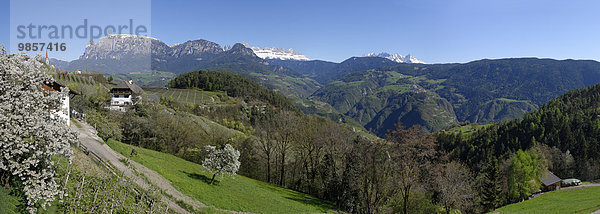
(330, 178)
(351, 181)
(491, 189)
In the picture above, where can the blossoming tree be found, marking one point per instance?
(29, 136)
(224, 160)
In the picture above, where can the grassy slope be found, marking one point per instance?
(233, 193)
(584, 200)
(467, 129)
(8, 203)
(184, 96)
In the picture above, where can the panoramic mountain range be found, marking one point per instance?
(374, 91)
(143, 54)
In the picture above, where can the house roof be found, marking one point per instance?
(55, 86)
(548, 178)
(129, 85)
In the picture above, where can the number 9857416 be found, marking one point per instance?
(40, 46)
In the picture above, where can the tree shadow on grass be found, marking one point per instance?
(200, 177)
(322, 205)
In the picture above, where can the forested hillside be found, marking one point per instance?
(307, 153)
(378, 100)
(570, 123)
(562, 137)
(484, 91)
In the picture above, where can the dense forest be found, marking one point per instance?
(562, 134)
(568, 123)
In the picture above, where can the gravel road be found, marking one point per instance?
(93, 143)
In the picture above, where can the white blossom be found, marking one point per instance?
(224, 160)
(29, 137)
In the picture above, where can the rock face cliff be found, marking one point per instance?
(195, 48)
(118, 47)
(131, 53)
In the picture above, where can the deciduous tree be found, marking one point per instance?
(414, 151)
(454, 183)
(224, 160)
(523, 175)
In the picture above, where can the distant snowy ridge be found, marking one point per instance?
(276, 53)
(396, 57)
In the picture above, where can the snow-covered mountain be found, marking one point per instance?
(276, 53)
(396, 57)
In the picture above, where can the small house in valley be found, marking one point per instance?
(550, 181)
(61, 112)
(124, 95)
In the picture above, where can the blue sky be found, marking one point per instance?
(72, 14)
(434, 31)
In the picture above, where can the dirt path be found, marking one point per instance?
(88, 137)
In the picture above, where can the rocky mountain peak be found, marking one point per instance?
(196, 48)
(241, 49)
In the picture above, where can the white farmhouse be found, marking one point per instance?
(124, 95)
(62, 112)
